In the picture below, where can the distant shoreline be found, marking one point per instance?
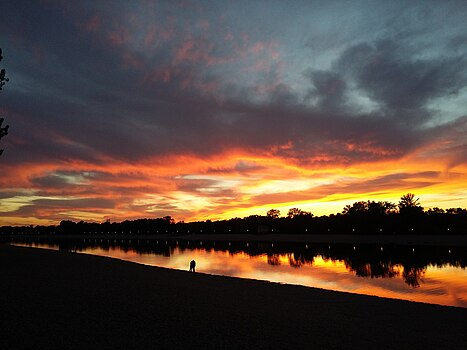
(418, 240)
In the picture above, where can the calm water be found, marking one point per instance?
(427, 274)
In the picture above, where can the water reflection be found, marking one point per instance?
(429, 274)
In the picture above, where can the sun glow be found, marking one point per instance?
(230, 185)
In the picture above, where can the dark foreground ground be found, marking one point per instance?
(56, 300)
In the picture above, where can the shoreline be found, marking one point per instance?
(420, 240)
(54, 299)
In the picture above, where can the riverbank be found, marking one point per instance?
(443, 240)
(404, 240)
(62, 300)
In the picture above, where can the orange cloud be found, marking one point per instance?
(231, 184)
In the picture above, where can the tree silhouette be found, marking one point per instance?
(409, 205)
(380, 208)
(3, 131)
(273, 213)
(3, 80)
(169, 219)
(371, 208)
(293, 212)
(408, 200)
(356, 208)
(453, 211)
(435, 211)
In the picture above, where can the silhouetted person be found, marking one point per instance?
(192, 266)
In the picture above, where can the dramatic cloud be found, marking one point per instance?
(218, 108)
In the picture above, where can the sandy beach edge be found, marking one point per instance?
(51, 299)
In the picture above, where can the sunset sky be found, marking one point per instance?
(218, 109)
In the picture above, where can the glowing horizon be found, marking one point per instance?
(201, 194)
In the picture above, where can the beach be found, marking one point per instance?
(53, 299)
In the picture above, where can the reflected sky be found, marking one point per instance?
(446, 285)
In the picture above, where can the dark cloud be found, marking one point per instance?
(75, 204)
(454, 135)
(328, 88)
(51, 181)
(105, 98)
(399, 81)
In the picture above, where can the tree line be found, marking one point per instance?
(363, 217)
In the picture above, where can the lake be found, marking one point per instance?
(428, 274)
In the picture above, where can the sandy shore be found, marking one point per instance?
(52, 300)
